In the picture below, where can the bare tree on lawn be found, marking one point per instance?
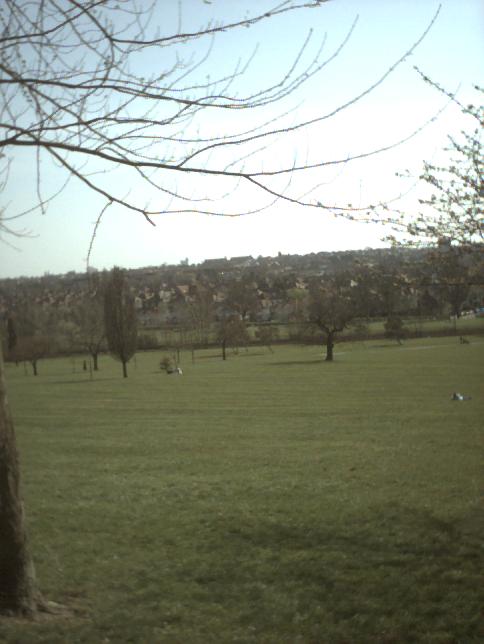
(331, 308)
(32, 348)
(88, 315)
(73, 93)
(36, 329)
(232, 332)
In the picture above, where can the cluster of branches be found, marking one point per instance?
(73, 90)
(453, 213)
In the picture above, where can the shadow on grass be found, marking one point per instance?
(208, 356)
(298, 363)
(394, 571)
(390, 531)
(249, 354)
(391, 345)
(79, 382)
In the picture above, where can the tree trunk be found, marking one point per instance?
(94, 361)
(224, 352)
(34, 367)
(329, 346)
(17, 579)
(125, 369)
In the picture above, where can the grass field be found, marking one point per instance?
(269, 498)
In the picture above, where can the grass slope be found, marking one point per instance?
(268, 498)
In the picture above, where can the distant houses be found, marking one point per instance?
(162, 294)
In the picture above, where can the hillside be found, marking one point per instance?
(162, 291)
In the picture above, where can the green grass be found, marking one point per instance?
(423, 327)
(269, 498)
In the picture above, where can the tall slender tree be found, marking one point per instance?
(120, 319)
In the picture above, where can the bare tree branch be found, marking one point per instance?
(69, 87)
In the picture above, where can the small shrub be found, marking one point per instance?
(167, 363)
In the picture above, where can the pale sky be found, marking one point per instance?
(451, 55)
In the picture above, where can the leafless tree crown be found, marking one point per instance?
(72, 91)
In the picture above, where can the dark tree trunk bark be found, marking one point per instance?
(34, 367)
(224, 350)
(17, 578)
(94, 361)
(125, 370)
(329, 346)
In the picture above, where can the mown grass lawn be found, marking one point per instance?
(269, 498)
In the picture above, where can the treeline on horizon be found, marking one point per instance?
(304, 298)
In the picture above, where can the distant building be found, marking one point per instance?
(219, 263)
(242, 262)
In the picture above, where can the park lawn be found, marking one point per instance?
(416, 327)
(428, 327)
(269, 498)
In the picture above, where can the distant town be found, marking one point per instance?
(275, 283)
